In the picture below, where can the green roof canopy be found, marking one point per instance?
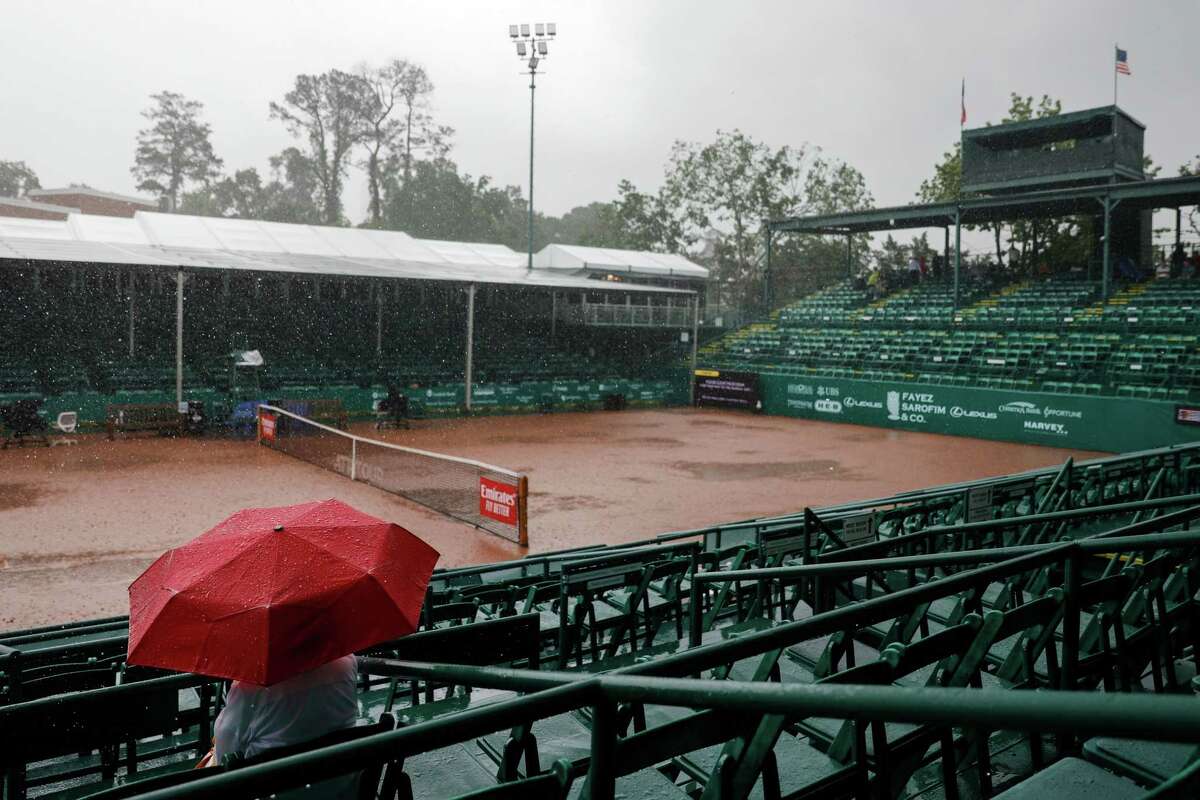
(1165, 193)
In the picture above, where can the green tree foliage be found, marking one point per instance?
(326, 111)
(437, 202)
(17, 178)
(175, 149)
(717, 195)
(945, 185)
(292, 194)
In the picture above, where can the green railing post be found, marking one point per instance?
(1072, 580)
(602, 777)
(695, 612)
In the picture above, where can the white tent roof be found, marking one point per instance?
(179, 240)
(602, 259)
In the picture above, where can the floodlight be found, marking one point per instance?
(512, 31)
(533, 62)
(521, 49)
(539, 29)
(524, 29)
(550, 28)
(542, 49)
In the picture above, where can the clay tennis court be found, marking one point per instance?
(77, 524)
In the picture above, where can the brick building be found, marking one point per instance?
(29, 209)
(92, 201)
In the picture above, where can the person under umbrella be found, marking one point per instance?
(278, 600)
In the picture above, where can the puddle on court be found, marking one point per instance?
(20, 495)
(568, 502)
(726, 471)
(651, 441)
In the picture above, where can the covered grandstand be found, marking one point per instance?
(100, 310)
(1087, 356)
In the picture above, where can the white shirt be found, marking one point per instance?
(914, 265)
(294, 711)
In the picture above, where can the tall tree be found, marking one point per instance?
(720, 192)
(325, 110)
(17, 178)
(380, 128)
(175, 149)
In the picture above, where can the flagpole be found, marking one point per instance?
(1116, 47)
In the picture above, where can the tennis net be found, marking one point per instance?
(483, 495)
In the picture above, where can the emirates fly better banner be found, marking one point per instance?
(498, 501)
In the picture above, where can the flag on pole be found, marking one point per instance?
(963, 119)
(1123, 62)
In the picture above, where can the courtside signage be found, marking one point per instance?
(498, 501)
(266, 427)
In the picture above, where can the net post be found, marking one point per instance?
(353, 459)
(523, 511)
(258, 425)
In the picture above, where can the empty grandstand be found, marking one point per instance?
(100, 312)
(885, 648)
(1087, 354)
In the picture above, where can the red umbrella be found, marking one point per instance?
(273, 592)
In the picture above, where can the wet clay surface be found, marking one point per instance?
(78, 524)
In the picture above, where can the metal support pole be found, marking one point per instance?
(532, 86)
(1178, 225)
(1104, 263)
(946, 250)
(695, 341)
(470, 340)
(957, 252)
(767, 274)
(378, 324)
(553, 316)
(849, 256)
(178, 338)
(132, 290)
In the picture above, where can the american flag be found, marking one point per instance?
(1123, 62)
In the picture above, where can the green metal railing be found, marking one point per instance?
(1154, 718)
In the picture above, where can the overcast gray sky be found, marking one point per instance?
(873, 83)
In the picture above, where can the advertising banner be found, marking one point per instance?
(727, 389)
(266, 427)
(1114, 424)
(498, 501)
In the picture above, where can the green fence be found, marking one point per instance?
(1094, 423)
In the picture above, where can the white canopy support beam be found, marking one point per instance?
(695, 342)
(132, 294)
(178, 338)
(378, 322)
(470, 342)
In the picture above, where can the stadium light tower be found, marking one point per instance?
(533, 47)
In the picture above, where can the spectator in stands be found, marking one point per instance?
(294, 711)
(939, 267)
(873, 284)
(1014, 259)
(924, 268)
(1191, 267)
(1127, 270)
(914, 270)
(1177, 259)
